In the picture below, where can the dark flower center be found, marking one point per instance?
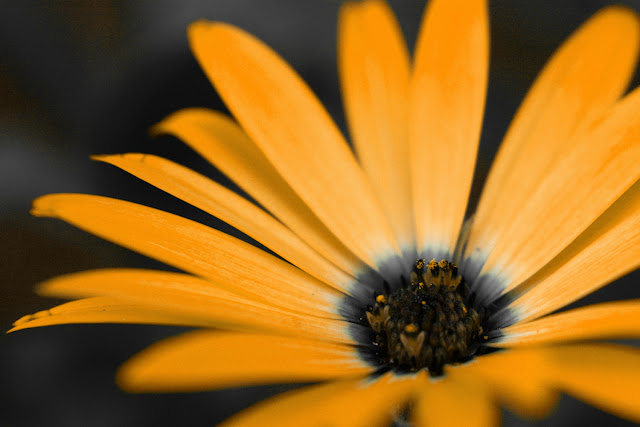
(428, 323)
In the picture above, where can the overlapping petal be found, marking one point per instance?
(601, 321)
(453, 401)
(181, 296)
(285, 119)
(603, 375)
(372, 402)
(606, 250)
(217, 138)
(524, 391)
(195, 248)
(583, 79)
(223, 203)
(588, 174)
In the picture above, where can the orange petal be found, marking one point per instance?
(102, 310)
(447, 94)
(606, 250)
(516, 378)
(586, 75)
(374, 76)
(341, 404)
(601, 321)
(455, 401)
(586, 180)
(285, 119)
(220, 140)
(574, 193)
(217, 200)
(193, 247)
(202, 302)
(605, 376)
(205, 360)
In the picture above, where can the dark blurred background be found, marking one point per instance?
(79, 77)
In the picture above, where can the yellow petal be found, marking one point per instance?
(222, 142)
(516, 378)
(447, 94)
(574, 193)
(602, 321)
(195, 248)
(285, 119)
(217, 200)
(374, 75)
(605, 376)
(455, 401)
(206, 360)
(202, 302)
(102, 310)
(586, 75)
(606, 250)
(353, 403)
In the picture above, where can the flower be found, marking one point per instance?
(357, 300)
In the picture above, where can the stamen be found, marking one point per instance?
(428, 324)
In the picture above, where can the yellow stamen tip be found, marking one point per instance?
(411, 328)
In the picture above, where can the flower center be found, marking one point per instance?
(426, 324)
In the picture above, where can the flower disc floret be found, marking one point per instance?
(428, 323)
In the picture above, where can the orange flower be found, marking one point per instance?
(354, 302)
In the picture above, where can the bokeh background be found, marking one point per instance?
(80, 77)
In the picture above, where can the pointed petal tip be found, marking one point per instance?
(23, 322)
(113, 159)
(110, 158)
(99, 157)
(171, 123)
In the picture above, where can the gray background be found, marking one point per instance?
(84, 77)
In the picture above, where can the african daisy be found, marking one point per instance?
(382, 290)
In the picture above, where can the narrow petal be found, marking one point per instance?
(605, 376)
(589, 176)
(579, 187)
(341, 404)
(222, 203)
(102, 310)
(206, 360)
(516, 378)
(586, 75)
(220, 140)
(203, 303)
(453, 401)
(195, 248)
(601, 321)
(448, 89)
(606, 250)
(285, 119)
(374, 76)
